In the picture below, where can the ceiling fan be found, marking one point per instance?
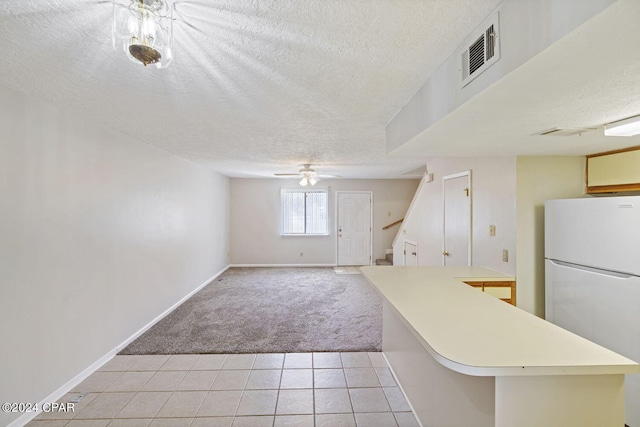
(309, 176)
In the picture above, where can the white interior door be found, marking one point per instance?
(456, 230)
(410, 254)
(354, 228)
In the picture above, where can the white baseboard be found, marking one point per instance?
(395, 377)
(64, 389)
(69, 385)
(169, 310)
(282, 265)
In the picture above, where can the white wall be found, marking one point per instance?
(527, 27)
(540, 179)
(255, 220)
(99, 234)
(493, 203)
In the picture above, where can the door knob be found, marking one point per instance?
(445, 253)
(413, 253)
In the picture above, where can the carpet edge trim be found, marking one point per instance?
(280, 265)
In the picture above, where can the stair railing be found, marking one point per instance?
(392, 224)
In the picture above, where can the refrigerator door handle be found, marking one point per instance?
(593, 269)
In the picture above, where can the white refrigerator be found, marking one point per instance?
(592, 277)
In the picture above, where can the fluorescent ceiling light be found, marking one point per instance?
(626, 127)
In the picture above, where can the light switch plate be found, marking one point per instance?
(505, 255)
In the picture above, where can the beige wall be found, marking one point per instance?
(255, 220)
(540, 179)
(493, 203)
(99, 235)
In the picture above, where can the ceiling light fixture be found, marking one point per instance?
(144, 30)
(626, 127)
(309, 178)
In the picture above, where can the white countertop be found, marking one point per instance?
(477, 334)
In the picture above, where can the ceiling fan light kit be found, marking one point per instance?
(309, 176)
(144, 30)
(309, 179)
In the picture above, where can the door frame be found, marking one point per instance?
(470, 237)
(404, 250)
(335, 225)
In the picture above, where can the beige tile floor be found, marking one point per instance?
(235, 390)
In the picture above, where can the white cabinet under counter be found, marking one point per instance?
(467, 359)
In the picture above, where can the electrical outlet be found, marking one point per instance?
(505, 255)
(301, 253)
(492, 230)
(388, 213)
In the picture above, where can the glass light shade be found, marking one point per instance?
(304, 181)
(144, 30)
(313, 181)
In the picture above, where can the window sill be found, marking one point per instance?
(304, 235)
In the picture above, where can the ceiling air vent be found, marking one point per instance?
(482, 51)
(563, 131)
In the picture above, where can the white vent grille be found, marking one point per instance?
(490, 37)
(476, 55)
(483, 51)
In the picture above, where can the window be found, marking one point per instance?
(304, 212)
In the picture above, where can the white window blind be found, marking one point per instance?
(304, 212)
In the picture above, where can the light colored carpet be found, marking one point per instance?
(271, 310)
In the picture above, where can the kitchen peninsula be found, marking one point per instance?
(467, 359)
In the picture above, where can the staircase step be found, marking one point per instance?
(389, 257)
(384, 262)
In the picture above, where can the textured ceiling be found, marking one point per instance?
(588, 78)
(256, 87)
(260, 87)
